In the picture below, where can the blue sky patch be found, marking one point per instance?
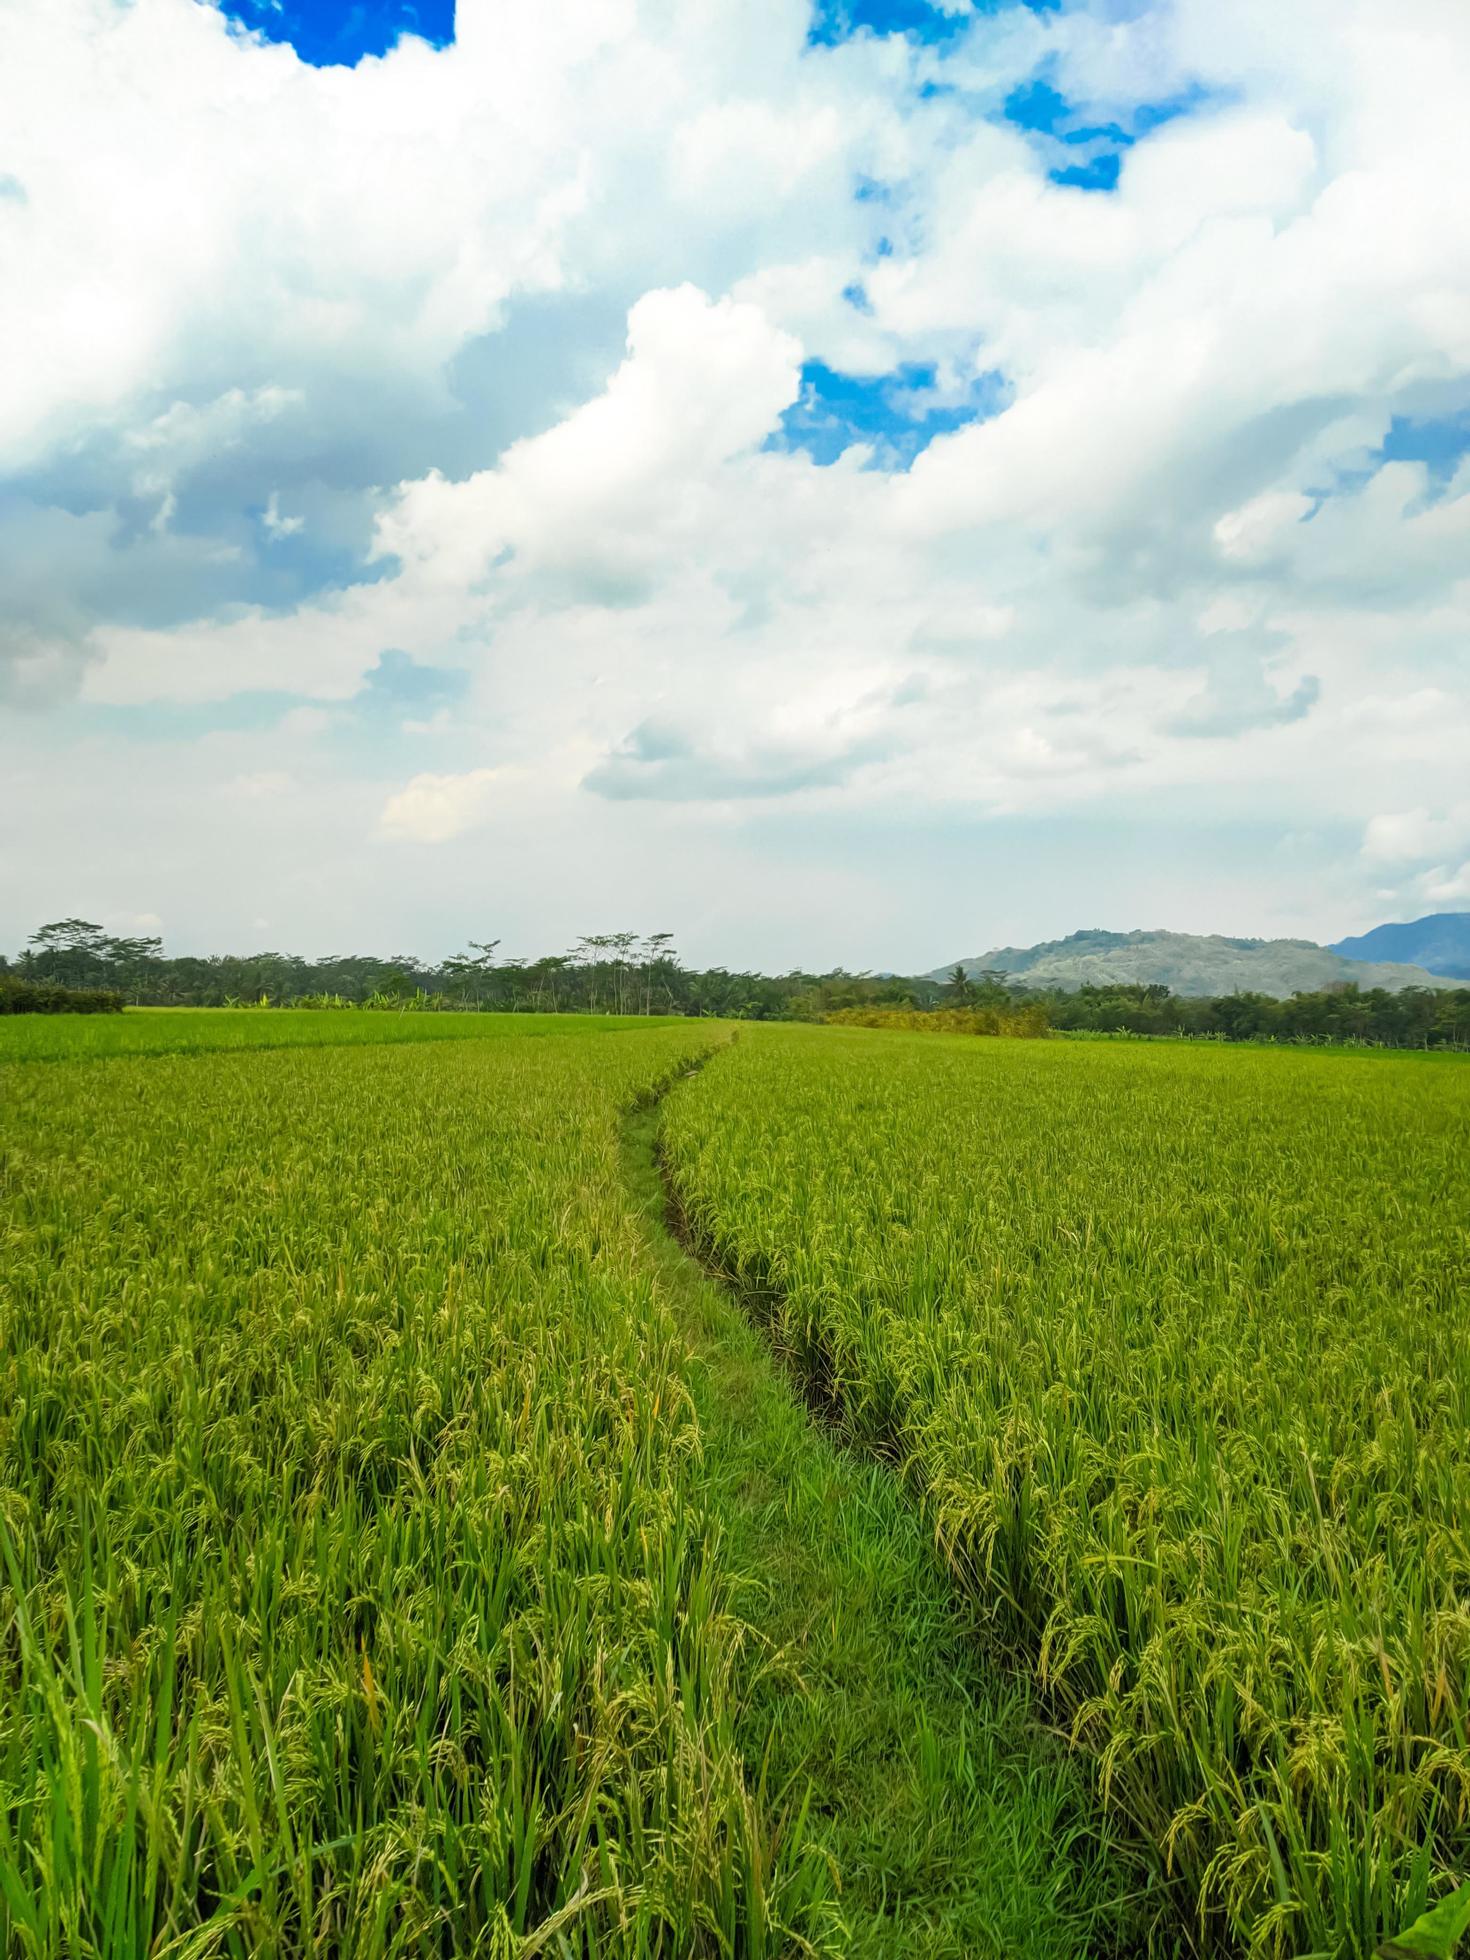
(400, 684)
(338, 33)
(899, 413)
(1037, 105)
(1439, 442)
(834, 21)
(1060, 125)
(1099, 173)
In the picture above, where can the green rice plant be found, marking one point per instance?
(1019, 1022)
(174, 1030)
(357, 1594)
(1173, 1346)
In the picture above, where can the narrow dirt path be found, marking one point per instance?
(957, 1825)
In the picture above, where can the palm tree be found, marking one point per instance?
(959, 986)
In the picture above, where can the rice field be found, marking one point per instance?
(1170, 1345)
(406, 1550)
(199, 1030)
(354, 1595)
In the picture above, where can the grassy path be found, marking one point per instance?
(957, 1825)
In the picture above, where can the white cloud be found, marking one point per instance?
(1443, 887)
(260, 785)
(1178, 525)
(243, 222)
(605, 494)
(431, 809)
(1260, 530)
(1418, 837)
(274, 524)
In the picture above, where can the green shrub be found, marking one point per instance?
(19, 996)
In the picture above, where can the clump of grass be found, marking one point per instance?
(1172, 1346)
(356, 1595)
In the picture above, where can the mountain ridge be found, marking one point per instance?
(1439, 942)
(1194, 964)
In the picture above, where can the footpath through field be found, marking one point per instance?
(957, 1824)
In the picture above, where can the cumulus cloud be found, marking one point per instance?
(36, 665)
(1444, 887)
(1258, 532)
(610, 497)
(1241, 695)
(1422, 851)
(662, 762)
(329, 384)
(1413, 836)
(431, 809)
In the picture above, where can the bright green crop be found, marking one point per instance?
(187, 1030)
(368, 1585)
(354, 1594)
(1173, 1345)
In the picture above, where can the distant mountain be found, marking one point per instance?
(1440, 943)
(1193, 963)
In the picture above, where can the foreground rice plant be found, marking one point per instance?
(355, 1597)
(1172, 1345)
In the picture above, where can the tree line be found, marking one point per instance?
(1417, 1017)
(633, 973)
(603, 973)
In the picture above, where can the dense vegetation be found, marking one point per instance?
(401, 1555)
(623, 974)
(1173, 1346)
(608, 973)
(1415, 1017)
(19, 996)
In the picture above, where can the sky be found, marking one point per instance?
(857, 482)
